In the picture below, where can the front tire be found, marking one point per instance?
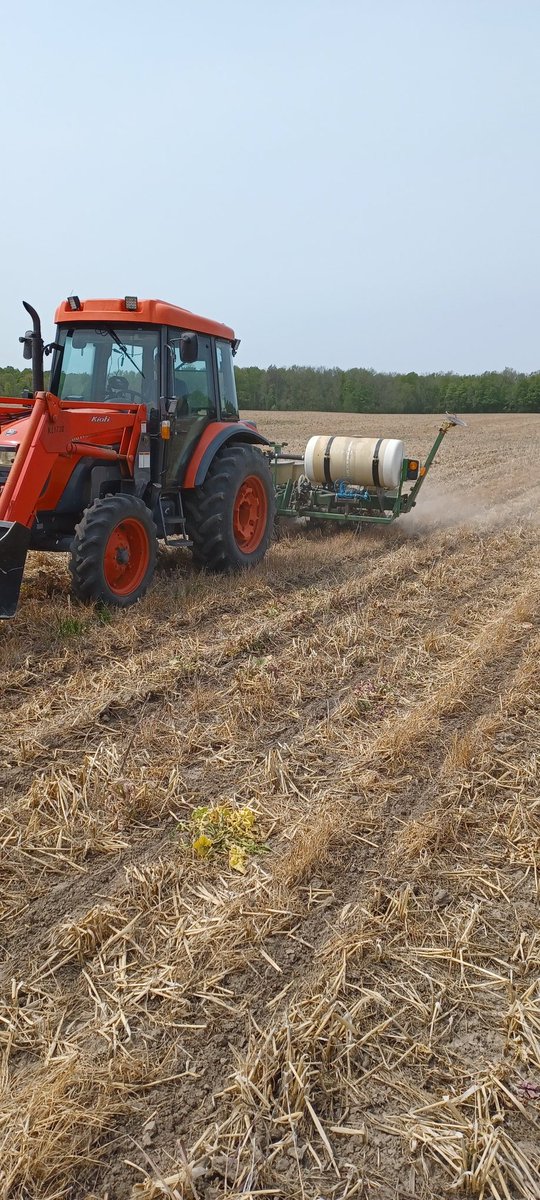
(113, 553)
(230, 517)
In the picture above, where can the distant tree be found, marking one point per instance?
(12, 380)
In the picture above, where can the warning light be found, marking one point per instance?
(131, 303)
(74, 303)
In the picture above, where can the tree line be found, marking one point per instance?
(329, 389)
(362, 390)
(12, 381)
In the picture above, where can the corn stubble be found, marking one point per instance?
(357, 1013)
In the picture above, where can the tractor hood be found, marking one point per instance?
(11, 434)
(10, 438)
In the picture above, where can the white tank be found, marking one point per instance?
(366, 462)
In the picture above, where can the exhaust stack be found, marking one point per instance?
(33, 348)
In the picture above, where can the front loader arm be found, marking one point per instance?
(15, 533)
(29, 472)
(56, 435)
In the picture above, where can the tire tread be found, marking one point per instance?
(206, 509)
(91, 534)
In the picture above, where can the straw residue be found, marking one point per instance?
(357, 1013)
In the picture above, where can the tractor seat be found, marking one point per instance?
(116, 386)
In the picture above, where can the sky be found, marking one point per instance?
(354, 183)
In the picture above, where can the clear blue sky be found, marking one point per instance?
(354, 183)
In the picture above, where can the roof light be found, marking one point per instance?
(74, 303)
(131, 303)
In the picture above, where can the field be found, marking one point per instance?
(348, 1003)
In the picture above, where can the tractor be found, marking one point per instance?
(137, 438)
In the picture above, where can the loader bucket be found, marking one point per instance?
(14, 542)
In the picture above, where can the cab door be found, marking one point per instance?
(191, 403)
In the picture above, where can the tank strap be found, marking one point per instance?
(326, 462)
(375, 464)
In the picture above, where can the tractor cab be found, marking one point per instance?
(181, 372)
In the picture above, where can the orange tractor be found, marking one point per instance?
(138, 438)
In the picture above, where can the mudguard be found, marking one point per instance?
(213, 438)
(14, 542)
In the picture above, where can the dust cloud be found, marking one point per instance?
(442, 509)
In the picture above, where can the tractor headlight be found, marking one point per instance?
(7, 455)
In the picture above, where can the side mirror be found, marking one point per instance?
(189, 347)
(27, 343)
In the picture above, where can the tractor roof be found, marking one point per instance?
(152, 312)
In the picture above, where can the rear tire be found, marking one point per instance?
(113, 553)
(230, 517)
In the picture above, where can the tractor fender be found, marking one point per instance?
(214, 437)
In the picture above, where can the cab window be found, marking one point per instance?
(109, 364)
(226, 382)
(191, 384)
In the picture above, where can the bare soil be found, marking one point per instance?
(358, 1015)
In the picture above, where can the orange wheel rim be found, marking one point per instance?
(250, 514)
(127, 555)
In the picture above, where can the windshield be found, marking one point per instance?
(113, 364)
